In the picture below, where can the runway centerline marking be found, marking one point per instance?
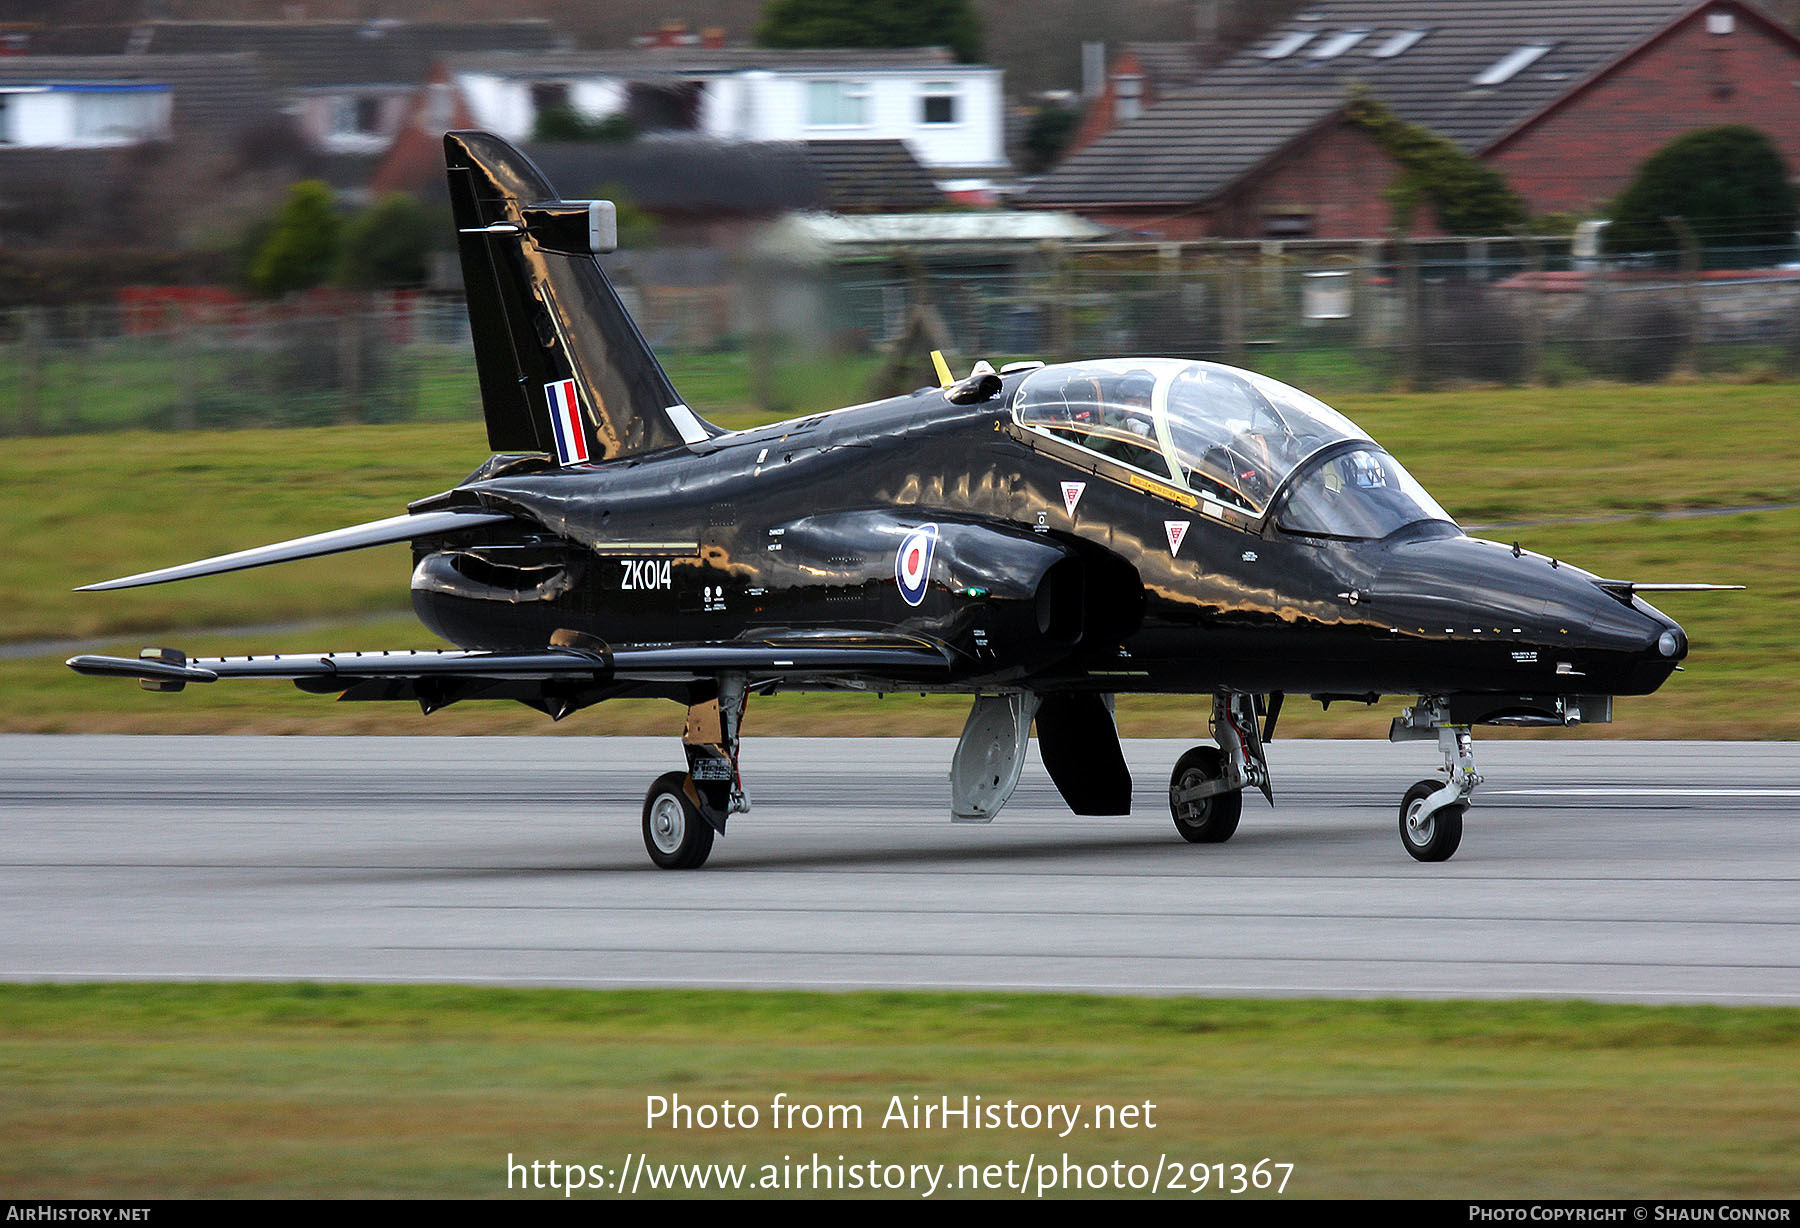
(1641, 791)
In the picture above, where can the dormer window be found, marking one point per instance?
(1399, 43)
(1287, 44)
(1510, 66)
(1339, 43)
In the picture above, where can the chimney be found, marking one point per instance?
(1093, 69)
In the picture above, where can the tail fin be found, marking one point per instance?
(543, 314)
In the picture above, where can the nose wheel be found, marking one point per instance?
(1431, 813)
(1430, 835)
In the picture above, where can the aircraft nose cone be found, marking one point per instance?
(1673, 644)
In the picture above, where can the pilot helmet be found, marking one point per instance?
(1362, 470)
(1135, 387)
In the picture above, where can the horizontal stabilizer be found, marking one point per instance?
(664, 662)
(356, 537)
(1637, 587)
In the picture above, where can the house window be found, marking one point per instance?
(356, 116)
(938, 103)
(119, 116)
(1719, 21)
(1287, 223)
(837, 104)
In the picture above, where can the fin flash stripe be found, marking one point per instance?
(565, 423)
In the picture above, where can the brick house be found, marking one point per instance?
(1566, 97)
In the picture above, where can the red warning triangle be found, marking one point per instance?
(1177, 531)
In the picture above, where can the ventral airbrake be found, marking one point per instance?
(1039, 538)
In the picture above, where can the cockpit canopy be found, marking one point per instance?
(1229, 435)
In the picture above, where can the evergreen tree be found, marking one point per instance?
(873, 23)
(387, 245)
(1048, 133)
(1729, 184)
(302, 242)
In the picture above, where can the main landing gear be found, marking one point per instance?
(1431, 813)
(684, 810)
(1206, 790)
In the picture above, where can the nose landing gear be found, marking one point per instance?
(1431, 813)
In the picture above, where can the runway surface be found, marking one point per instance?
(1651, 872)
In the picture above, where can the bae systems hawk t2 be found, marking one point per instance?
(1041, 538)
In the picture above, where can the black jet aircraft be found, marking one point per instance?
(1041, 538)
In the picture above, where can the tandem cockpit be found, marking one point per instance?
(1249, 442)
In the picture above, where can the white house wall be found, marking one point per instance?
(775, 106)
(53, 118)
(596, 97)
(503, 106)
(39, 119)
(499, 105)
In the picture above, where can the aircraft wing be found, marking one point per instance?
(896, 657)
(356, 537)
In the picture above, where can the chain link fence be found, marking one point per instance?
(1382, 316)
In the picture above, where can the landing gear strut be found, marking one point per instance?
(684, 810)
(1206, 790)
(1431, 813)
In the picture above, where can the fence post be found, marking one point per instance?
(1601, 355)
(1366, 312)
(31, 368)
(758, 279)
(1062, 319)
(350, 365)
(1690, 291)
(187, 357)
(1412, 314)
(1234, 312)
(1535, 299)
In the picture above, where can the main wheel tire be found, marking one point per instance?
(676, 835)
(1209, 820)
(1430, 835)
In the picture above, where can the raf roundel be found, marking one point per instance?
(912, 565)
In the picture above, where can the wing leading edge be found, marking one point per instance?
(375, 533)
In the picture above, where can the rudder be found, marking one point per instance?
(542, 312)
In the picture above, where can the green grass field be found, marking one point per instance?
(177, 1090)
(116, 1091)
(90, 507)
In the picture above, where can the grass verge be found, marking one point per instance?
(132, 1091)
(98, 506)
